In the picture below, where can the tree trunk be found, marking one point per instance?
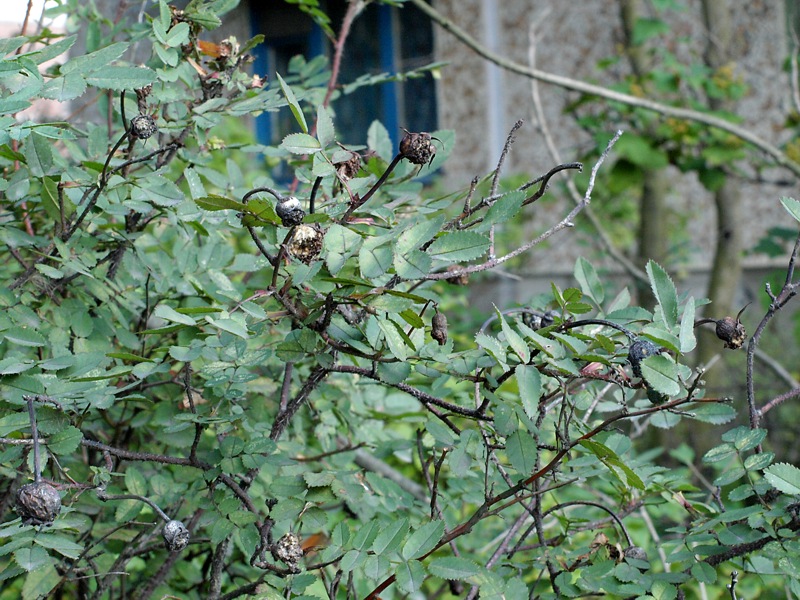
(652, 238)
(726, 268)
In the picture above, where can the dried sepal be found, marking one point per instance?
(37, 503)
(417, 148)
(143, 127)
(731, 331)
(347, 169)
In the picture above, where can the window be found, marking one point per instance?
(382, 39)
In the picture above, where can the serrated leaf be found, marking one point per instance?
(716, 414)
(687, 339)
(459, 246)
(38, 155)
(301, 143)
(88, 63)
(32, 558)
(423, 540)
(587, 278)
(661, 374)
(39, 583)
(413, 265)
(214, 202)
(135, 482)
(23, 336)
(747, 439)
(522, 452)
(325, 132)
(664, 291)
(413, 237)
(410, 576)
(719, 453)
(514, 340)
(529, 382)
(388, 540)
(65, 441)
(294, 105)
(792, 206)
(503, 210)
(784, 478)
(60, 543)
(121, 78)
(453, 567)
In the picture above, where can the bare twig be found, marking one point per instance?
(563, 224)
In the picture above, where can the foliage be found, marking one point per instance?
(190, 352)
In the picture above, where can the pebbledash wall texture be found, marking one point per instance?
(570, 39)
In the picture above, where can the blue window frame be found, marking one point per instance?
(382, 39)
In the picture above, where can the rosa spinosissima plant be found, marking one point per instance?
(215, 386)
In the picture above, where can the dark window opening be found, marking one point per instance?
(383, 39)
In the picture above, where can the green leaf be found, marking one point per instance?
(661, 373)
(135, 482)
(747, 439)
(687, 339)
(703, 572)
(177, 35)
(664, 291)
(93, 61)
(414, 237)
(168, 313)
(65, 88)
(645, 28)
(340, 243)
(65, 441)
(716, 414)
(590, 283)
(522, 452)
(38, 155)
(529, 381)
(389, 539)
(214, 202)
(784, 478)
(294, 105)
(122, 78)
(231, 326)
(792, 206)
(514, 340)
(325, 132)
(503, 210)
(32, 558)
(375, 258)
(378, 140)
(459, 246)
(719, 453)
(413, 265)
(60, 543)
(453, 567)
(410, 576)
(39, 583)
(301, 143)
(24, 337)
(423, 540)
